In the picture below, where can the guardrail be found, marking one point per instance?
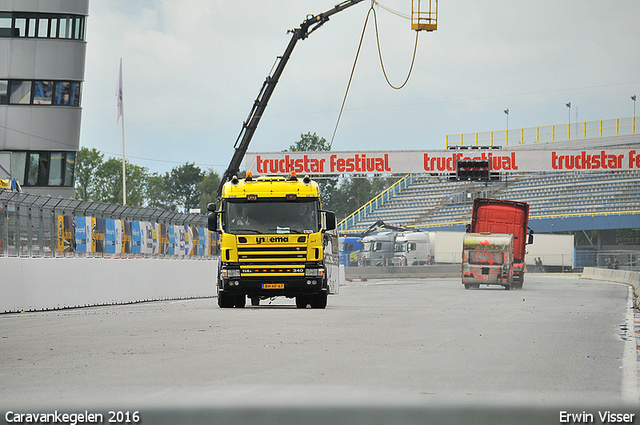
(34, 226)
(547, 133)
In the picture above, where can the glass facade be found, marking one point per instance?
(42, 25)
(36, 92)
(44, 168)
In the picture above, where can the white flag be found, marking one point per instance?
(119, 95)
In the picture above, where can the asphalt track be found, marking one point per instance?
(383, 351)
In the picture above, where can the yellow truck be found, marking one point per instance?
(275, 240)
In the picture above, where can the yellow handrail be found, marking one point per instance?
(547, 133)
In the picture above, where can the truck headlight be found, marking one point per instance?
(314, 272)
(230, 273)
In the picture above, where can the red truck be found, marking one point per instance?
(492, 220)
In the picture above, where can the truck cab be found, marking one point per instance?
(275, 240)
(349, 248)
(412, 249)
(377, 249)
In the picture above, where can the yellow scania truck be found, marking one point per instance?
(275, 240)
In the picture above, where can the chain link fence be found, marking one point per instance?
(34, 226)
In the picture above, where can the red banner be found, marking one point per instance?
(440, 162)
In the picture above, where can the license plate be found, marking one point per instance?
(273, 286)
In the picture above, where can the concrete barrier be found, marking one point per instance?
(31, 284)
(620, 276)
(437, 270)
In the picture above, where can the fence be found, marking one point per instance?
(40, 226)
(548, 133)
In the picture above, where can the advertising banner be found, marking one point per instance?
(97, 234)
(136, 238)
(202, 241)
(441, 161)
(109, 236)
(66, 234)
(171, 234)
(118, 235)
(83, 234)
(163, 242)
(126, 237)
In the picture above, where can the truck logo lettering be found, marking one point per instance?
(272, 239)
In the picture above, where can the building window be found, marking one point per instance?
(42, 25)
(4, 92)
(55, 169)
(43, 93)
(5, 24)
(19, 92)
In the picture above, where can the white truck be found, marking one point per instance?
(377, 249)
(412, 249)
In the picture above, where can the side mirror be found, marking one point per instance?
(212, 220)
(530, 240)
(330, 218)
(211, 207)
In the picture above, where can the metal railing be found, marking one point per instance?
(41, 226)
(376, 202)
(547, 133)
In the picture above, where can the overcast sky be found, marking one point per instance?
(192, 69)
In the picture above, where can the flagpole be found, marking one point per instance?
(121, 114)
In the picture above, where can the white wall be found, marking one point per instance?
(29, 284)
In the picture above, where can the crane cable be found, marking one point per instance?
(415, 48)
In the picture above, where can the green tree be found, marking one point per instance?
(109, 182)
(310, 143)
(87, 162)
(183, 186)
(208, 189)
(156, 195)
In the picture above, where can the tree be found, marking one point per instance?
(87, 162)
(310, 143)
(209, 189)
(183, 186)
(108, 177)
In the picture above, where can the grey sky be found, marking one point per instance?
(192, 69)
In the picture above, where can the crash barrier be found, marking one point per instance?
(612, 275)
(393, 272)
(35, 284)
(43, 227)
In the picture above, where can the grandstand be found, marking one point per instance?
(559, 201)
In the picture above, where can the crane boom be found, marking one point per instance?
(249, 126)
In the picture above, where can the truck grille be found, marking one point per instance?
(272, 261)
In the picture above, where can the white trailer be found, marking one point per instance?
(446, 247)
(555, 251)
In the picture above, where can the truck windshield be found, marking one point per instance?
(400, 247)
(272, 217)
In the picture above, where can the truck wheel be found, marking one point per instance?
(302, 301)
(466, 286)
(224, 300)
(239, 301)
(319, 300)
(255, 301)
(507, 287)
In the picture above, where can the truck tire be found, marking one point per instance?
(255, 301)
(319, 300)
(225, 301)
(240, 301)
(302, 301)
